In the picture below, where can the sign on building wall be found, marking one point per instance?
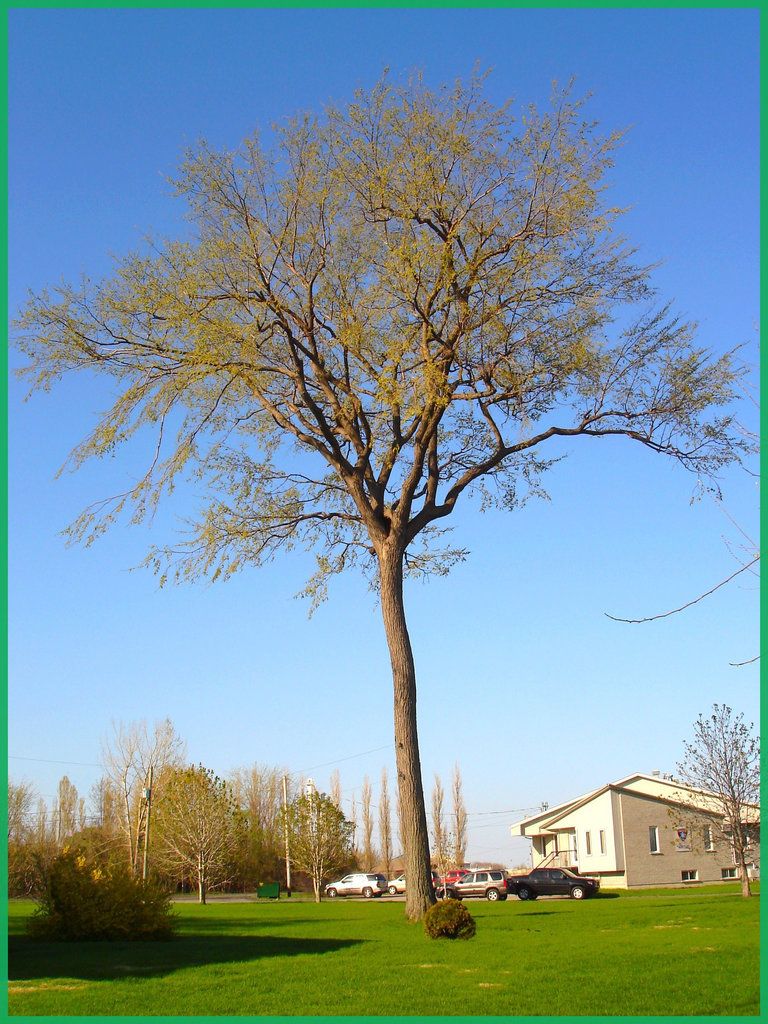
(683, 844)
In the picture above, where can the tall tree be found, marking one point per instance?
(724, 759)
(21, 797)
(128, 754)
(320, 837)
(459, 818)
(105, 803)
(258, 792)
(20, 862)
(399, 816)
(366, 813)
(385, 823)
(197, 827)
(440, 836)
(353, 822)
(409, 299)
(66, 810)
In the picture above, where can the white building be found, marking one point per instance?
(646, 830)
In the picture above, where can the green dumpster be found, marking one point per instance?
(269, 891)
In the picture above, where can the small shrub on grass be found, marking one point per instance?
(449, 919)
(82, 902)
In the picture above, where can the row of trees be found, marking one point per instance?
(152, 811)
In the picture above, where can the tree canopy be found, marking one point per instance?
(398, 303)
(320, 837)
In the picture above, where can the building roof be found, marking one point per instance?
(657, 787)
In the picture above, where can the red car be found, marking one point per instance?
(453, 875)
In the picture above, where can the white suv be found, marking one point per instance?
(357, 885)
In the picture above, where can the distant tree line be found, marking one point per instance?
(157, 815)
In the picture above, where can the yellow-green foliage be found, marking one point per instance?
(83, 901)
(449, 919)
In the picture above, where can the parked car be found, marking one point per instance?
(490, 883)
(553, 882)
(359, 884)
(396, 886)
(452, 875)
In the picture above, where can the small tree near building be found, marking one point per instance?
(320, 837)
(724, 759)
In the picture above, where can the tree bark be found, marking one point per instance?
(419, 895)
(746, 889)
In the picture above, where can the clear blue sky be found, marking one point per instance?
(522, 678)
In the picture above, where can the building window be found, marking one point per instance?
(588, 843)
(653, 838)
(690, 876)
(729, 873)
(602, 840)
(709, 841)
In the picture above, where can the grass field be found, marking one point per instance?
(666, 953)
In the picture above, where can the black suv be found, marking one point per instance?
(553, 882)
(488, 882)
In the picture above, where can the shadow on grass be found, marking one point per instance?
(107, 961)
(213, 925)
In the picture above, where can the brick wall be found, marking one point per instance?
(675, 855)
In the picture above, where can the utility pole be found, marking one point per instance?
(148, 797)
(285, 829)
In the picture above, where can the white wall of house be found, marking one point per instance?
(595, 830)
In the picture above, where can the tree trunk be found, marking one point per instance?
(201, 880)
(745, 886)
(419, 895)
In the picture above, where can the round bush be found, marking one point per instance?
(82, 901)
(449, 919)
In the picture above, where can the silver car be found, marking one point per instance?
(358, 884)
(488, 882)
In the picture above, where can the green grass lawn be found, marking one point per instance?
(667, 953)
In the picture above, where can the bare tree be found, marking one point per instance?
(385, 824)
(369, 853)
(439, 832)
(127, 755)
(724, 759)
(336, 787)
(198, 826)
(258, 793)
(459, 829)
(21, 797)
(44, 831)
(411, 299)
(399, 816)
(352, 818)
(105, 803)
(24, 853)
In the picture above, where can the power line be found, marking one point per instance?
(48, 760)
(512, 810)
(338, 760)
